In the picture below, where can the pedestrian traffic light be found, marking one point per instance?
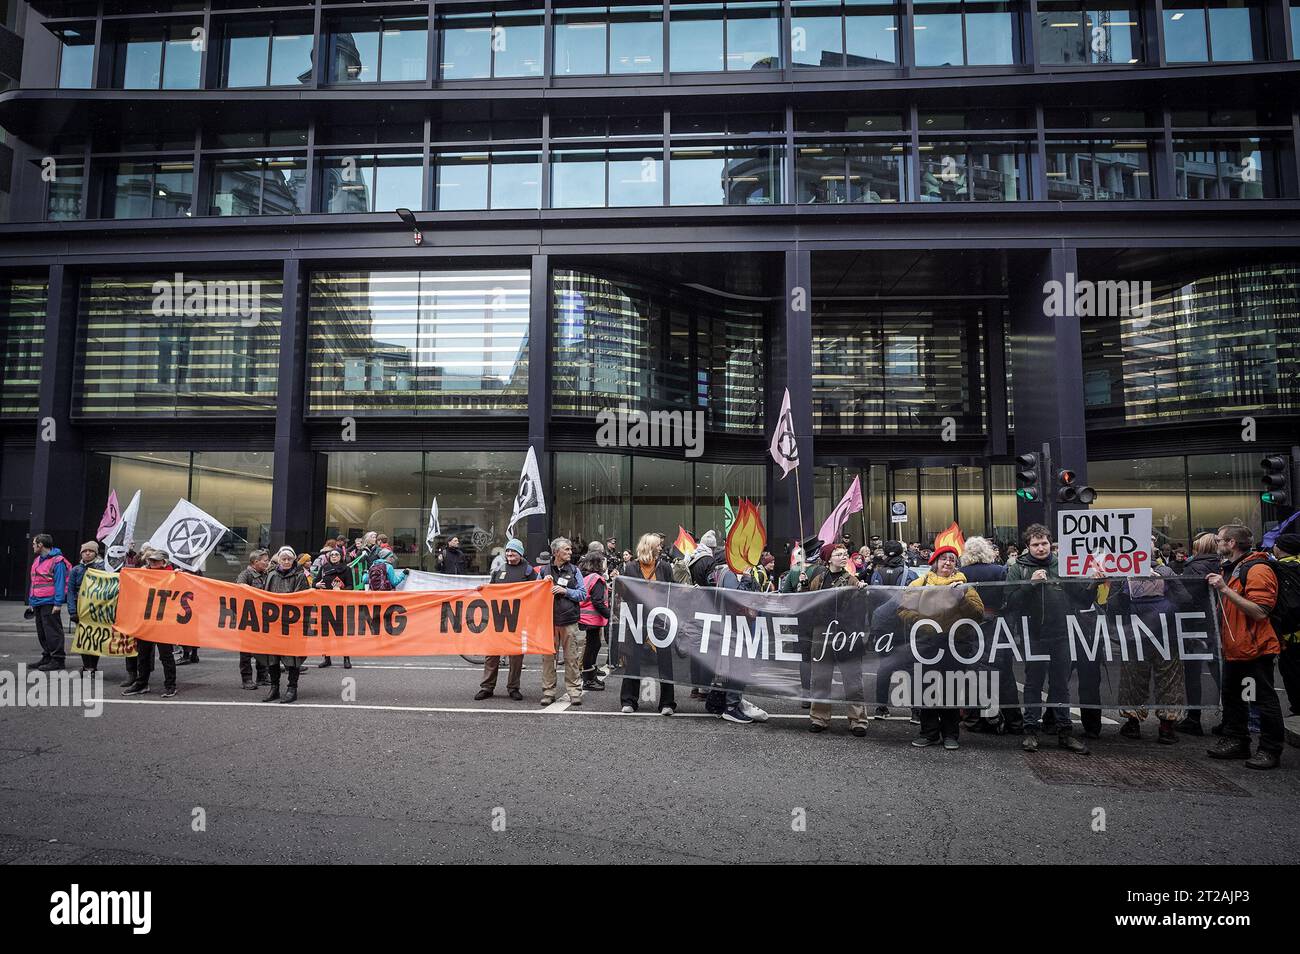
(1069, 490)
(1276, 480)
(1027, 485)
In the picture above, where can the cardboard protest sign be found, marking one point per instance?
(96, 611)
(1118, 541)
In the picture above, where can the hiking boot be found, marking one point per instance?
(1071, 744)
(136, 689)
(1131, 729)
(1263, 760)
(1190, 726)
(325, 663)
(1030, 742)
(290, 695)
(249, 683)
(1230, 749)
(817, 727)
(482, 694)
(274, 694)
(1167, 735)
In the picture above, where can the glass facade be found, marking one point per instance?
(1075, 33)
(1188, 495)
(1244, 168)
(378, 49)
(148, 190)
(178, 345)
(157, 55)
(22, 341)
(619, 342)
(391, 492)
(1097, 169)
(1223, 344)
(897, 369)
(267, 53)
(387, 342)
(1213, 31)
(233, 486)
(372, 182)
(965, 32)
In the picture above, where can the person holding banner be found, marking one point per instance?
(569, 592)
(1046, 607)
(286, 577)
(254, 575)
(89, 561)
(944, 723)
(515, 570)
(1150, 599)
(838, 574)
(594, 615)
(154, 559)
(334, 575)
(647, 566)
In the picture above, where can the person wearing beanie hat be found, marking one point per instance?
(140, 667)
(895, 571)
(90, 560)
(285, 576)
(515, 569)
(1287, 550)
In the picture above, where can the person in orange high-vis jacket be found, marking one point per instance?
(1247, 591)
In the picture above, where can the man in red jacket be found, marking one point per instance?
(1247, 590)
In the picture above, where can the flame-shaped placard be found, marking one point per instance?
(746, 539)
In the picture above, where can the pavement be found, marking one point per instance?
(402, 766)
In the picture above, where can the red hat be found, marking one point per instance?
(827, 550)
(941, 550)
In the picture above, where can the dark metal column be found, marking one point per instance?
(539, 398)
(59, 466)
(791, 366)
(295, 479)
(1047, 367)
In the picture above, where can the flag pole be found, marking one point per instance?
(798, 496)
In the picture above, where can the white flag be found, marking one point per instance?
(119, 539)
(188, 535)
(785, 448)
(435, 528)
(529, 499)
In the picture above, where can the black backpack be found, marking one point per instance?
(890, 575)
(1285, 614)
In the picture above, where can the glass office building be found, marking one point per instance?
(677, 208)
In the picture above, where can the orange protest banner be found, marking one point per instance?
(187, 610)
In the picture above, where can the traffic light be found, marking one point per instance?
(1069, 490)
(1027, 479)
(1276, 480)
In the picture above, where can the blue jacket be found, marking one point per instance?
(59, 566)
(74, 583)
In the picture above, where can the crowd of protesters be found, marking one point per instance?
(582, 585)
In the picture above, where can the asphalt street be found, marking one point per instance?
(413, 770)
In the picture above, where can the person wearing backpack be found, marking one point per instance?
(896, 571)
(1286, 548)
(47, 595)
(1247, 589)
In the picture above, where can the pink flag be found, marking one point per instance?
(785, 447)
(112, 514)
(851, 503)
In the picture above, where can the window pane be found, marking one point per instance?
(578, 180)
(246, 58)
(347, 182)
(1236, 32)
(173, 191)
(1064, 36)
(752, 41)
(142, 67)
(235, 487)
(636, 40)
(412, 341)
(995, 169)
(1156, 482)
(354, 49)
(236, 187)
(462, 181)
(291, 59)
(820, 174)
(22, 340)
(592, 499)
(580, 41)
(753, 175)
(75, 60)
(146, 348)
(518, 50)
(938, 39)
(695, 38)
(1123, 171)
(1225, 490)
(516, 180)
(936, 502)
(181, 69)
(871, 33)
(635, 177)
(1185, 34)
(466, 46)
(988, 34)
(399, 183)
(64, 196)
(816, 37)
(405, 50)
(697, 176)
(128, 191)
(285, 191)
